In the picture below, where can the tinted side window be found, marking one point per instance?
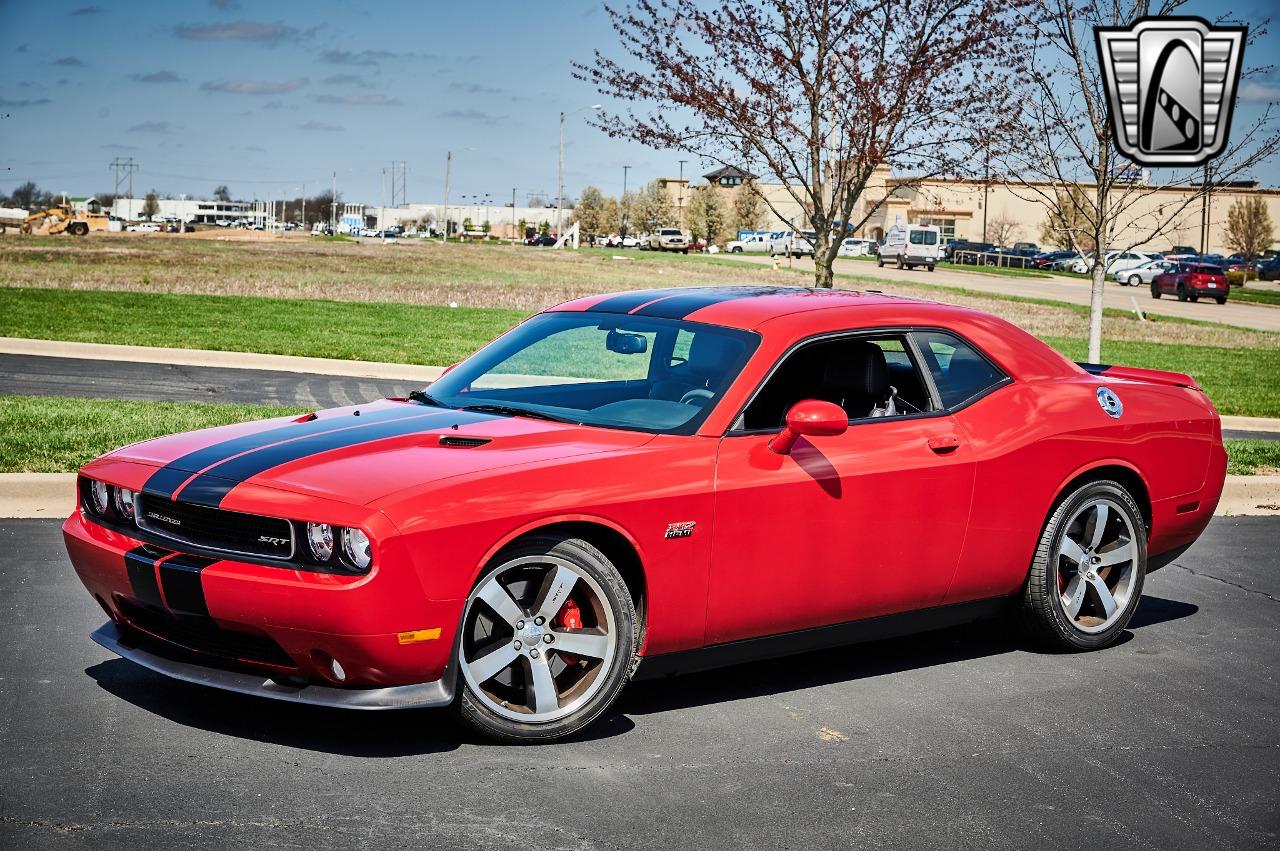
(958, 370)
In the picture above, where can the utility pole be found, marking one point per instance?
(680, 202)
(448, 171)
(124, 169)
(513, 215)
(333, 206)
(560, 192)
(399, 172)
(625, 205)
(986, 186)
(382, 202)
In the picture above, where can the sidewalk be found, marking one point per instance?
(53, 495)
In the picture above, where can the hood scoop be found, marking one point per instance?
(464, 442)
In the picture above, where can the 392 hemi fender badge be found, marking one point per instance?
(680, 530)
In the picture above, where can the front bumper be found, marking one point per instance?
(419, 695)
(233, 624)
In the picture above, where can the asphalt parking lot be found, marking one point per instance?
(956, 739)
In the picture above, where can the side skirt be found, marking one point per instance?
(819, 638)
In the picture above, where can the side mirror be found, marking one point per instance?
(811, 418)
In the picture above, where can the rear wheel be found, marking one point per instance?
(1222, 299)
(930, 268)
(1193, 296)
(879, 262)
(1182, 293)
(1086, 578)
(548, 641)
(1135, 281)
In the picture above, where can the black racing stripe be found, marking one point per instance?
(140, 564)
(183, 591)
(680, 306)
(169, 478)
(628, 302)
(210, 487)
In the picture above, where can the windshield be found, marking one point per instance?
(603, 369)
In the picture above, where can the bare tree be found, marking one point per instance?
(1065, 139)
(1002, 231)
(816, 93)
(1249, 228)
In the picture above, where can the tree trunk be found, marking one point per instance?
(1095, 311)
(823, 259)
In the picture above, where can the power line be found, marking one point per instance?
(124, 169)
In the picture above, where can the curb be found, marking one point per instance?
(231, 360)
(27, 495)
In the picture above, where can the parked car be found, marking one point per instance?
(1181, 250)
(752, 243)
(1030, 249)
(793, 244)
(1120, 261)
(669, 239)
(1144, 274)
(1270, 270)
(831, 469)
(143, 227)
(852, 247)
(1190, 281)
(1047, 259)
(630, 242)
(545, 240)
(964, 246)
(911, 246)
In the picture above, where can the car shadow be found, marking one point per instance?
(419, 732)
(976, 640)
(343, 732)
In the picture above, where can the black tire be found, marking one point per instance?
(930, 268)
(737, 249)
(1182, 293)
(686, 251)
(879, 262)
(1155, 290)
(1042, 614)
(902, 263)
(1194, 297)
(485, 721)
(1135, 281)
(1222, 299)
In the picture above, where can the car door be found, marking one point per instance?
(843, 528)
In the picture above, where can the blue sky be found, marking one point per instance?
(267, 97)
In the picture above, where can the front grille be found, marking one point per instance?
(203, 636)
(216, 529)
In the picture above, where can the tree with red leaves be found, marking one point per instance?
(816, 94)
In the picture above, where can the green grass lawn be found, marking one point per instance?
(54, 434)
(1257, 293)
(1249, 457)
(397, 333)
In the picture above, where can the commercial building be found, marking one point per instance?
(992, 211)
(193, 210)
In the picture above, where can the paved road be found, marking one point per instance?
(34, 375)
(960, 739)
(1072, 290)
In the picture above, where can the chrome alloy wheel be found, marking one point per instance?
(1096, 565)
(519, 655)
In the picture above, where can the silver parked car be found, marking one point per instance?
(1138, 276)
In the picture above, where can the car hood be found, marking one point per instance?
(359, 454)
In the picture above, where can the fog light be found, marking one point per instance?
(98, 495)
(124, 503)
(338, 673)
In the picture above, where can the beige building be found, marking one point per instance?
(1010, 214)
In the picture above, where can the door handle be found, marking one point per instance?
(944, 445)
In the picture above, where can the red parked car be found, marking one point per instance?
(1191, 281)
(646, 483)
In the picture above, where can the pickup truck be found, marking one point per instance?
(794, 244)
(752, 243)
(668, 239)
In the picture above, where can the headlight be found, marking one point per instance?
(124, 503)
(99, 496)
(355, 546)
(320, 540)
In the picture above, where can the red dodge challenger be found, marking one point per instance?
(646, 483)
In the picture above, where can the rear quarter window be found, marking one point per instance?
(959, 370)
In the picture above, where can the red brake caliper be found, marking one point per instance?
(569, 617)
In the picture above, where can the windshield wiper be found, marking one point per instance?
(511, 411)
(426, 398)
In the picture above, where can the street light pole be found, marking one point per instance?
(624, 200)
(513, 214)
(448, 169)
(560, 191)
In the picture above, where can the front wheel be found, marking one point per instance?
(1155, 291)
(1182, 293)
(548, 641)
(1135, 281)
(1087, 574)
(902, 263)
(879, 262)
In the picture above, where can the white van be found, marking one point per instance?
(911, 246)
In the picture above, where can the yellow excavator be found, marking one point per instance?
(62, 218)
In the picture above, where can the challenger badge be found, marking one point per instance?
(1170, 84)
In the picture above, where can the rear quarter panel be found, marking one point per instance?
(1030, 440)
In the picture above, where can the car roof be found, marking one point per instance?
(745, 307)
